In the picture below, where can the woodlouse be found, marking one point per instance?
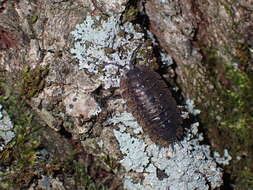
(152, 104)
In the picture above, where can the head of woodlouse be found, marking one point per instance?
(134, 72)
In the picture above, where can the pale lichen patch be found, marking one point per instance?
(6, 128)
(188, 167)
(102, 46)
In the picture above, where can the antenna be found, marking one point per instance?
(133, 56)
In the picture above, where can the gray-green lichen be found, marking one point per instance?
(103, 45)
(6, 128)
(188, 167)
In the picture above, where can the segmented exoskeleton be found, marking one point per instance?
(151, 103)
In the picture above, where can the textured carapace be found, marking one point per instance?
(151, 103)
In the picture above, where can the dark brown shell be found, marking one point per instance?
(151, 103)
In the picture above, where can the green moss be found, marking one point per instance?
(238, 99)
(246, 179)
(32, 19)
(231, 101)
(225, 94)
(19, 155)
(82, 179)
(145, 56)
(130, 14)
(32, 80)
(20, 158)
(110, 162)
(228, 7)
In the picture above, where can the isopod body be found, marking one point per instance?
(151, 103)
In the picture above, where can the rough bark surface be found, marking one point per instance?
(60, 111)
(38, 78)
(211, 42)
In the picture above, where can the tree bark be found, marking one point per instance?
(211, 43)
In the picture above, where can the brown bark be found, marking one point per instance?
(211, 42)
(205, 37)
